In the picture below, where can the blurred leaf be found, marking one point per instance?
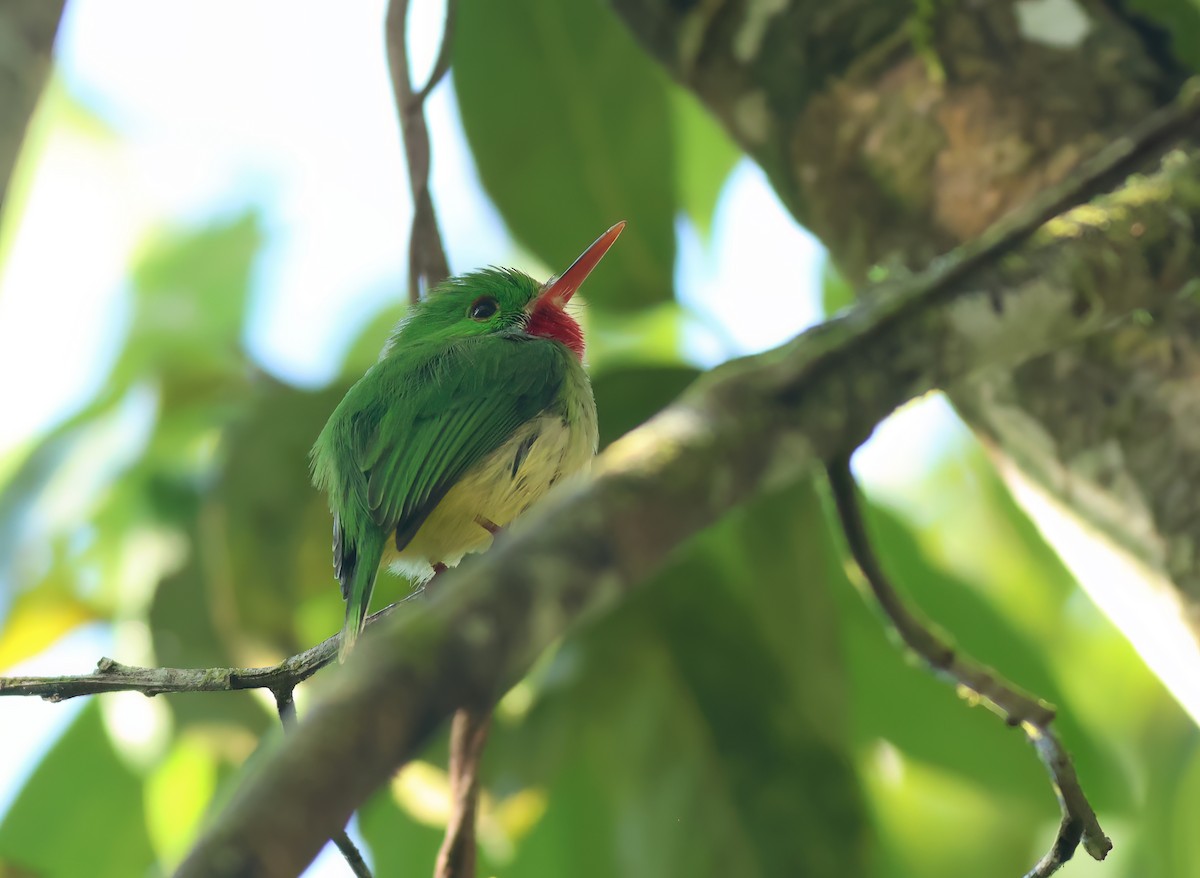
(1183, 850)
(273, 528)
(29, 480)
(651, 335)
(626, 397)
(570, 126)
(61, 119)
(836, 291)
(936, 824)
(191, 288)
(700, 729)
(184, 344)
(37, 620)
(1177, 21)
(904, 703)
(401, 842)
(704, 158)
(177, 794)
(81, 811)
(191, 621)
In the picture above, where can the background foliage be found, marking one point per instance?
(745, 715)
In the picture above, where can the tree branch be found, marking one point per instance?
(468, 735)
(427, 263)
(1015, 707)
(743, 428)
(892, 149)
(112, 676)
(27, 31)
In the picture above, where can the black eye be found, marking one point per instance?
(483, 308)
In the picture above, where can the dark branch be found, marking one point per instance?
(468, 735)
(1015, 707)
(427, 263)
(748, 426)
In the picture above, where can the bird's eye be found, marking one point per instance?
(483, 308)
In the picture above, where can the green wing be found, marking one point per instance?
(408, 430)
(459, 407)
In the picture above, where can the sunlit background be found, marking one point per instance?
(271, 127)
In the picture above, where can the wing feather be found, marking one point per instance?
(473, 398)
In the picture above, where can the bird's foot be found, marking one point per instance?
(487, 524)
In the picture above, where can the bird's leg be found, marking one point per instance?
(487, 524)
(439, 567)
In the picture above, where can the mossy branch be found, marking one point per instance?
(1015, 707)
(742, 429)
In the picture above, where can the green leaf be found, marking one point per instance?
(897, 699)
(1178, 21)
(275, 527)
(400, 843)
(626, 397)
(571, 127)
(177, 794)
(81, 812)
(836, 292)
(191, 290)
(702, 728)
(704, 157)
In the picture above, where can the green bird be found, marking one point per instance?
(478, 405)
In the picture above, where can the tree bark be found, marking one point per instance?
(748, 426)
(895, 130)
(27, 30)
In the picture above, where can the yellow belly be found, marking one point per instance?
(497, 492)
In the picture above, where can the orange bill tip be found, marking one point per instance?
(559, 290)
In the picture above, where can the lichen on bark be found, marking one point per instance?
(891, 161)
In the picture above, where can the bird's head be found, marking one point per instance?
(505, 301)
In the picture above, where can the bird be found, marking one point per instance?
(478, 405)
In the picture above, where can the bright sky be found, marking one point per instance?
(286, 106)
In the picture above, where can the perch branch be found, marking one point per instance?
(747, 426)
(1015, 707)
(112, 676)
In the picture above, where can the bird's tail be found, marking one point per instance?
(357, 584)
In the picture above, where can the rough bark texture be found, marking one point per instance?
(895, 130)
(747, 426)
(27, 29)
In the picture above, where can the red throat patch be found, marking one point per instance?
(547, 321)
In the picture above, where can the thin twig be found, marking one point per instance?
(1015, 707)
(468, 735)
(285, 703)
(445, 53)
(112, 676)
(427, 263)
